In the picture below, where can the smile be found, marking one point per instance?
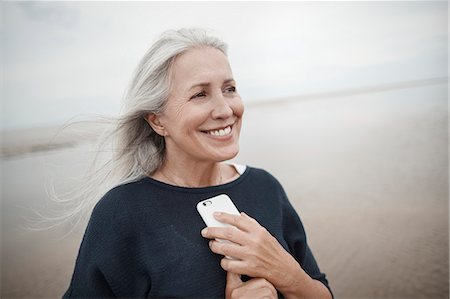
(219, 132)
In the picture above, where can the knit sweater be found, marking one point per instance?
(143, 239)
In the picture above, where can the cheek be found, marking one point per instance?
(238, 110)
(238, 107)
(184, 118)
(192, 119)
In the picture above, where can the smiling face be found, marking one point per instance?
(203, 114)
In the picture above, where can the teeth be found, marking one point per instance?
(221, 132)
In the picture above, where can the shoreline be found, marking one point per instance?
(19, 142)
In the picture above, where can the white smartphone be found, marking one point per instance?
(219, 203)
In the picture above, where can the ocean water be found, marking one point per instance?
(367, 173)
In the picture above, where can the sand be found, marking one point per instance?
(368, 175)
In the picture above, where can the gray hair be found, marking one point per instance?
(137, 150)
(141, 149)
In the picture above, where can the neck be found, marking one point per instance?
(193, 174)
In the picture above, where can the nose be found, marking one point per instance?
(222, 108)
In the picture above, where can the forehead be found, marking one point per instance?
(200, 65)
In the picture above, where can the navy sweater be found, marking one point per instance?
(143, 239)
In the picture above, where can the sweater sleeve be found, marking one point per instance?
(108, 263)
(295, 236)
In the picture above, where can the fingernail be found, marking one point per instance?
(204, 231)
(210, 243)
(217, 214)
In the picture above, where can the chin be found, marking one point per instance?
(232, 155)
(228, 155)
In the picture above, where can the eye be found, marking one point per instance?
(230, 89)
(198, 95)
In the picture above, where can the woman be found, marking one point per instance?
(145, 238)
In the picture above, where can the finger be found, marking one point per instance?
(229, 233)
(243, 267)
(233, 280)
(241, 221)
(237, 266)
(228, 249)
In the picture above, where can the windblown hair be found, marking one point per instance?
(140, 149)
(137, 150)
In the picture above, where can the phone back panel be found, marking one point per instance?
(219, 203)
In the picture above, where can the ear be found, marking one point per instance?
(154, 121)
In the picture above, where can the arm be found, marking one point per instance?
(89, 279)
(258, 254)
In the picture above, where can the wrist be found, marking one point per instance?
(304, 287)
(295, 283)
(298, 290)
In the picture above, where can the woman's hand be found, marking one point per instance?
(254, 250)
(257, 253)
(256, 288)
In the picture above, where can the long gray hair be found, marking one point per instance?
(141, 150)
(137, 150)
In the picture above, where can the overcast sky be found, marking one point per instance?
(62, 59)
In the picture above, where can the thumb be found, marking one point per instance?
(233, 281)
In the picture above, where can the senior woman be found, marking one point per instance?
(145, 238)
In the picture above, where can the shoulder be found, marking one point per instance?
(262, 176)
(121, 194)
(263, 181)
(113, 206)
(114, 198)
(110, 222)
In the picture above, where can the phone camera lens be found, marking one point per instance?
(207, 203)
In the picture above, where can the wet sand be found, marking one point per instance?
(368, 175)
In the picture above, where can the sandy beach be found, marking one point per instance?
(368, 175)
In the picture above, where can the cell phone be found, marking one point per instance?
(219, 203)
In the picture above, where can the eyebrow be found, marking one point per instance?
(208, 84)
